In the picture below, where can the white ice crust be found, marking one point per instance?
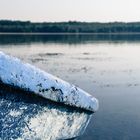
(29, 78)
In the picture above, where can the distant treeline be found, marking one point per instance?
(7, 26)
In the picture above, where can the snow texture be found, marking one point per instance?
(29, 78)
(30, 117)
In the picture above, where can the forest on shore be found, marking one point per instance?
(9, 26)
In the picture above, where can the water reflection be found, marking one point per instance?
(67, 39)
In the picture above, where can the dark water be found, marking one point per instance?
(106, 66)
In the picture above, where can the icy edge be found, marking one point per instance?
(25, 76)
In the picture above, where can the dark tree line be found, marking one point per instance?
(68, 27)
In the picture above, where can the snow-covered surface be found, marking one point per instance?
(26, 117)
(55, 125)
(29, 78)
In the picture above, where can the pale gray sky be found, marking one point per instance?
(65, 10)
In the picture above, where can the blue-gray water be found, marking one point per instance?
(106, 66)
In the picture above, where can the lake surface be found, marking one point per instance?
(106, 66)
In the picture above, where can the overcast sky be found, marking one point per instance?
(65, 10)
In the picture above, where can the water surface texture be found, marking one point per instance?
(106, 66)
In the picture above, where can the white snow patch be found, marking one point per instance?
(15, 113)
(55, 125)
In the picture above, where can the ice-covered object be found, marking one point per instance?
(29, 78)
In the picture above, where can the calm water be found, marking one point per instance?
(108, 67)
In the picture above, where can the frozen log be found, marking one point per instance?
(29, 78)
(37, 105)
